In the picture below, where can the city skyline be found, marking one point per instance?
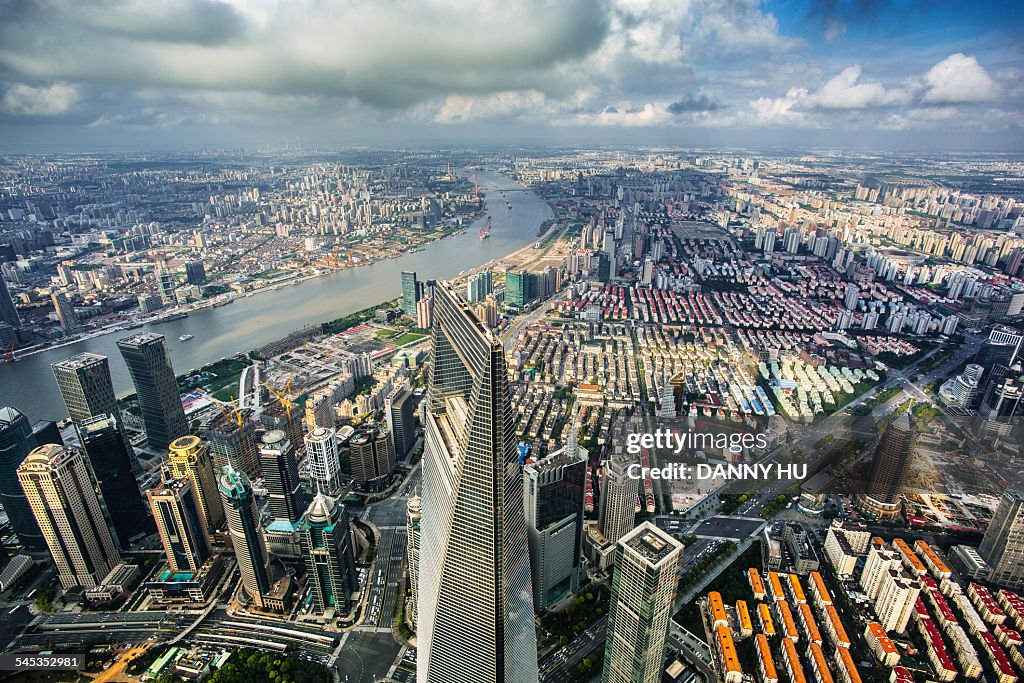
(210, 73)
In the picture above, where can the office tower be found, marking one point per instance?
(285, 499)
(324, 464)
(410, 293)
(517, 288)
(643, 592)
(554, 488)
(165, 284)
(372, 459)
(327, 548)
(84, 383)
(190, 459)
(232, 441)
(179, 521)
(65, 312)
(893, 456)
(16, 442)
(414, 515)
(1002, 547)
(8, 311)
(478, 286)
(401, 419)
(1001, 348)
(67, 509)
(112, 467)
(618, 500)
(195, 273)
(286, 416)
(156, 387)
(244, 529)
(474, 618)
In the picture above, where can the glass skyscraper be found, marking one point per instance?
(246, 536)
(327, 549)
(475, 611)
(16, 442)
(156, 388)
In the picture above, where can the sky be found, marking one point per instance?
(929, 75)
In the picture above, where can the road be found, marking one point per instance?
(559, 665)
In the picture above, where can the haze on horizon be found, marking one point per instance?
(907, 74)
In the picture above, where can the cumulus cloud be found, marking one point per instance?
(847, 91)
(959, 79)
(21, 99)
(692, 103)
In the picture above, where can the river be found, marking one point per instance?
(248, 322)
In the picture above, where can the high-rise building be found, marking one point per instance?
(401, 419)
(324, 464)
(16, 442)
(239, 504)
(643, 594)
(156, 387)
(8, 311)
(179, 522)
(475, 614)
(232, 441)
(166, 283)
(478, 286)
(189, 459)
(67, 509)
(617, 514)
(66, 315)
(285, 416)
(84, 383)
(555, 488)
(410, 293)
(414, 515)
(112, 467)
(372, 459)
(1002, 547)
(327, 548)
(893, 457)
(195, 273)
(285, 498)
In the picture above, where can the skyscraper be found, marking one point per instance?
(281, 477)
(179, 521)
(618, 500)
(643, 594)
(156, 387)
(1003, 545)
(554, 488)
(410, 293)
(893, 456)
(244, 529)
(478, 286)
(16, 442)
(324, 464)
(67, 509)
(401, 419)
(84, 383)
(285, 416)
(232, 441)
(372, 458)
(190, 459)
(475, 617)
(8, 311)
(414, 515)
(195, 273)
(327, 548)
(112, 467)
(65, 312)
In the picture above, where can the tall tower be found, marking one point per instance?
(372, 459)
(893, 456)
(112, 467)
(554, 488)
(232, 441)
(65, 312)
(643, 595)
(324, 465)
(618, 500)
(1003, 545)
(149, 363)
(190, 459)
(327, 547)
(244, 529)
(414, 515)
(84, 383)
(179, 521)
(410, 293)
(8, 311)
(16, 441)
(475, 614)
(67, 509)
(281, 477)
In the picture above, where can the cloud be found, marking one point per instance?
(509, 104)
(846, 91)
(21, 99)
(692, 103)
(958, 79)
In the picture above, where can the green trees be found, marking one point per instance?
(253, 665)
